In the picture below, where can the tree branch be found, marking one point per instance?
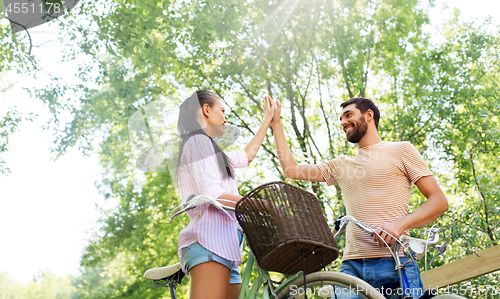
(485, 205)
(322, 107)
(345, 75)
(264, 146)
(250, 95)
(26, 29)
(291, 98)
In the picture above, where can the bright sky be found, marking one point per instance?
(47, 208)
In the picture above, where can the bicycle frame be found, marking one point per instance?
(404, 283)
(263, 277)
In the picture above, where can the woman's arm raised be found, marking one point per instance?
(254, 145)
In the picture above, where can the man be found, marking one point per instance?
(376, 187)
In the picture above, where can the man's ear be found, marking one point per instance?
(369, 115)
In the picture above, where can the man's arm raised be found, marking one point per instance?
(291, 170)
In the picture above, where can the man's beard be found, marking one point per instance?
(358, 131)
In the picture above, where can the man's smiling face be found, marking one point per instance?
(353, 123)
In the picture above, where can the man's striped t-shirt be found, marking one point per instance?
(376, 187)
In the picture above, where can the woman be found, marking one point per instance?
(210, 246)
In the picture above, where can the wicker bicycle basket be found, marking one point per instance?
(281, 221)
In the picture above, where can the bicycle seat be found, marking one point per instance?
(159, 273)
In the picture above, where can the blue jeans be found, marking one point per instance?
(380, 273)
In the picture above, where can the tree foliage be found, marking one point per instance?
(309, 54)
(15, 57)
(8, 125)
(15, 51)
(46, 285)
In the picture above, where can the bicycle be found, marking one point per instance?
(414, 247)
(259, 209)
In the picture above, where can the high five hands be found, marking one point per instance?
(272, 110)
(269, 108)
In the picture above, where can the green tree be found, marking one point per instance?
(8, 125)
(45, 285)
(15, 57)
(310, 55)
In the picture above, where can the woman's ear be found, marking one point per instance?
(206, 110)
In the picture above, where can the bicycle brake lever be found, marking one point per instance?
(339, 228)
(441, 249)
(189, 198)
(177, 214)
(338, 223)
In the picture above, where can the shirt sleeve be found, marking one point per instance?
(202, 163)
(238, 159)
(412, 164)
(328, 170)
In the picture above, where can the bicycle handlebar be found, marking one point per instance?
(181, 206)
(193, 201)
(417, 245)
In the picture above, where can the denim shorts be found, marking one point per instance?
(196, 254)
(380, 273)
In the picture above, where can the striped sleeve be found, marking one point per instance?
(328, 171)
(412, 163)
(238, 159)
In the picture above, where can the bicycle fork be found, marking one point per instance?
(404, 284)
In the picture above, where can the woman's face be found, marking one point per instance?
(214, 118)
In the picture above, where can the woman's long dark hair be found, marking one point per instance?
(187, 125)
